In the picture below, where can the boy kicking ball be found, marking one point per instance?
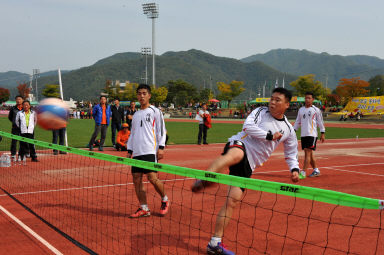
(263, 130)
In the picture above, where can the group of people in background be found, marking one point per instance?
(23, 120)
(105, 114)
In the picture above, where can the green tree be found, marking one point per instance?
(159, 94)
(229, 91)
(307, 83)
(109, 89)
(181, 92)
(4, 95)
(129, 92)
(23, 90)
(51, 90)
(376, 85)
(205, 95)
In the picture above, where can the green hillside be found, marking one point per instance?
(323, 65)
(196, 67)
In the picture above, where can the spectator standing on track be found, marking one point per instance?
(263, 130)
(117, 119)
(122, 138)
(15, 129)
(202, 114)
(147, 142)
(26, 121)
(309, 118)
(58, 135)
(131, 111)
(101, 114)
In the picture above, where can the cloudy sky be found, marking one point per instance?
(48, 34)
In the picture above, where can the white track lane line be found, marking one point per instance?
(30, 231)
(355, 172)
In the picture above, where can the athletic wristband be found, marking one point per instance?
(269, 135)
(161, 147)
(130, 151)
(295, 170)
(322, 132)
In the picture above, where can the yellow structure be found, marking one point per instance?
(366, 105)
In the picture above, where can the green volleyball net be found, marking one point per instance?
(87, 197)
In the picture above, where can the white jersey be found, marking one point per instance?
(254, 136)
(309, 118)
(147, 132)
(200, 114)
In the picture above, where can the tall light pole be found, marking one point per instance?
(152, 12)
(145, 51)
(36, 74)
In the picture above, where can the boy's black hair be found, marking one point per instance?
(27, 101)
(309, 93)
(103, 96)
(19, 96)
(285, 92)
(144, 86)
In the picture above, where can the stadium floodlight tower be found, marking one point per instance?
(145, 51)
(36, 74)
(152, 12)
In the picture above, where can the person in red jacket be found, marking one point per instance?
(122, 138)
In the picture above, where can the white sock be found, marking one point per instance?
(316, 169)
(214, 241)
(144, 207)
(164, 198)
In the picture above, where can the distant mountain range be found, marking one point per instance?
(204, 70)
(327, 68)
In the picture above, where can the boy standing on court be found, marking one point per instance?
(147, 142)
(263, 130)
(309, 118)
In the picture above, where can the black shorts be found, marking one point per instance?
(308, 142)
(149, 158)
(242, 168)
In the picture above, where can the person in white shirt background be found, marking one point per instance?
(147, 142)
(26, 120)
(263, 130)
(308, 119)
(202, 127)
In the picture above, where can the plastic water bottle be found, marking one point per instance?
(2, 161)
(24, 161)
(7, 161)
(357, 138)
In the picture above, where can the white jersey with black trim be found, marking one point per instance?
(309, 118)
(254, 136)
(147, 132)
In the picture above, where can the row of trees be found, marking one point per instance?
(178, 92)
(181, 92)
(23, 90)
(347, 88)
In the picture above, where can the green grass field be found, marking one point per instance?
(80, 131)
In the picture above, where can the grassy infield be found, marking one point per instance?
(79, 132)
